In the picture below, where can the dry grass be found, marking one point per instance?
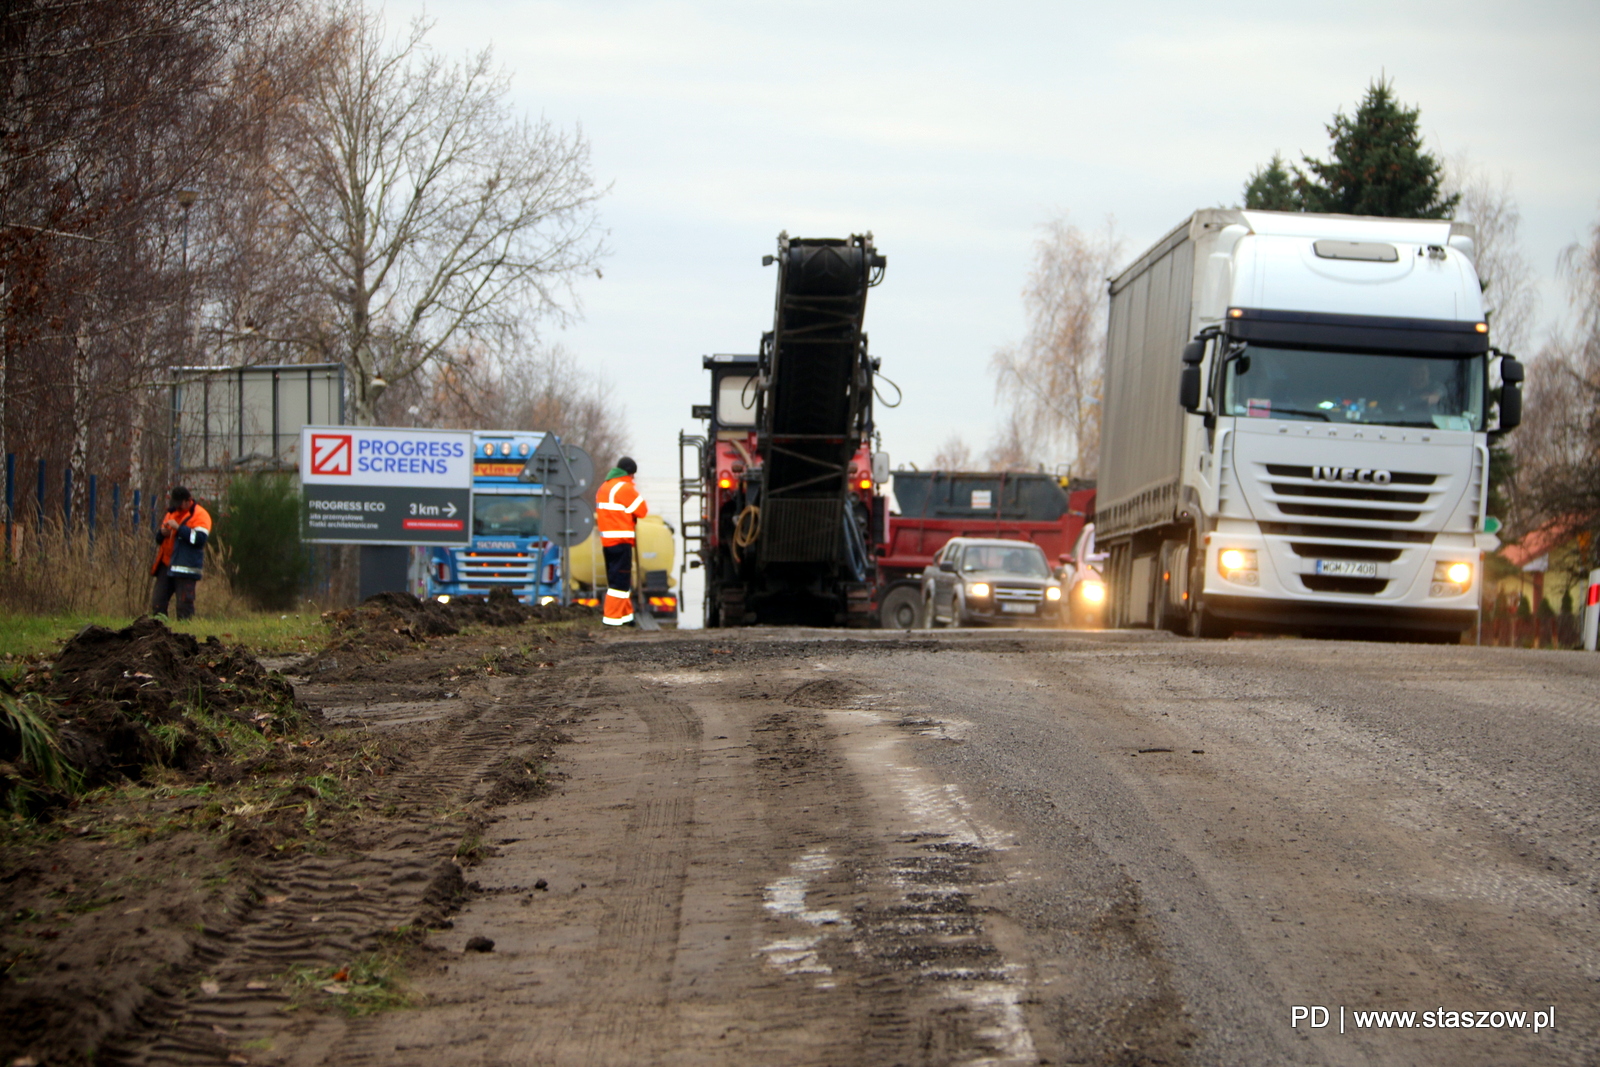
(61, 572)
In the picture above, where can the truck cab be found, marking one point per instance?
(508, 549)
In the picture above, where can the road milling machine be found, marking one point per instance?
(790, 517)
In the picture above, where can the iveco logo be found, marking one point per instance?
(1351, 474)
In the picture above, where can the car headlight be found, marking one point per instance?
(1052, 592)
(1093, 592)
(443, 598)
(978, 589)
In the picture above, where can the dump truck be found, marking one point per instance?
(1297, 417)
(935, 506)
(789, 511)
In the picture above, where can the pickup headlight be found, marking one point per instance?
(1093, 592)
(979, 589)
(1052, 592)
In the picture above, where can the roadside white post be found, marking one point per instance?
(1591, 611)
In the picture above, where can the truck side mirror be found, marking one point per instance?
(1189, 383)
(947, 565)
(1510, 393)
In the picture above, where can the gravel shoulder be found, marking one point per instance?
(808, 847)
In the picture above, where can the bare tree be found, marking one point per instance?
(1558, 446)
(1052, 380)
(531, 388)
(1507, 278)
(107, 110)
(434, 214)
(952, 455)
(1010, 450)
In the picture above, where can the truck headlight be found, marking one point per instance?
(1238, 565)
(978, 589)
(1450, 579)
(1094, 592)
(1052, 592)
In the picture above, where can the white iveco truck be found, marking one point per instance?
(1296, 425)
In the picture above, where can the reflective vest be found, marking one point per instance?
(183, 548)
(616, 507)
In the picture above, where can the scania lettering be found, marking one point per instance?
(1298, 412)
(508, 548)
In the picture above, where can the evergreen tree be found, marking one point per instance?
(1272, 188)
(1378, 165)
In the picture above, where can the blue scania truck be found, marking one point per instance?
(508, 548)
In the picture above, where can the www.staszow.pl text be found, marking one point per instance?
(1318, 1016)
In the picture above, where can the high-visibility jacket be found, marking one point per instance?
(182, 541)
(616, 507)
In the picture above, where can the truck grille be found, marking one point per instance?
(1018, 595)
(1296, 494)
(495, 568)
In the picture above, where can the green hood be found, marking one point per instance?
(617, 472)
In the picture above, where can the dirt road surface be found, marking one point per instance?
(983, 847)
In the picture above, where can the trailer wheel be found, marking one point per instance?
(901, 609)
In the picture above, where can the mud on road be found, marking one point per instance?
(561, 847)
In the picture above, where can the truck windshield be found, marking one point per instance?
(1023, 561)
(505, 516)
(1384, 389)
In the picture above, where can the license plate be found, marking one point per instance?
(1348, 568)
(1017, 609)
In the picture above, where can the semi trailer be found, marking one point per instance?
(1297, 417)
(790, 514)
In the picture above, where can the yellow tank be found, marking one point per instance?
(654, 538)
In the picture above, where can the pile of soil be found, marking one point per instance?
(122, 700)
(385, 625)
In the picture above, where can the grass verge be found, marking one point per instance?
(266, 633)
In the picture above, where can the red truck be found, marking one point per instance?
(935, 506)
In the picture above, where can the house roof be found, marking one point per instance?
(1539, 542)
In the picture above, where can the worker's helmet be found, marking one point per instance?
(626, 463)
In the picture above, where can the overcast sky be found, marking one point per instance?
(952, 130)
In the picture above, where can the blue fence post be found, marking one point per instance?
(136, 511)
(11, 501)
(116, 502)
(93, 500)
(39, 516)
(66, 499)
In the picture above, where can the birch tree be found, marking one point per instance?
(433, 213)
(1052, 380)
(1508, 283)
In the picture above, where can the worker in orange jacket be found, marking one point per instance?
(181, 553)
(618, 506)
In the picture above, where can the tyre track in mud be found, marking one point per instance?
(747, 866)
(631, 965)
(322, 911)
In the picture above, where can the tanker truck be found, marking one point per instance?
(1297, 417)
(653, 584)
